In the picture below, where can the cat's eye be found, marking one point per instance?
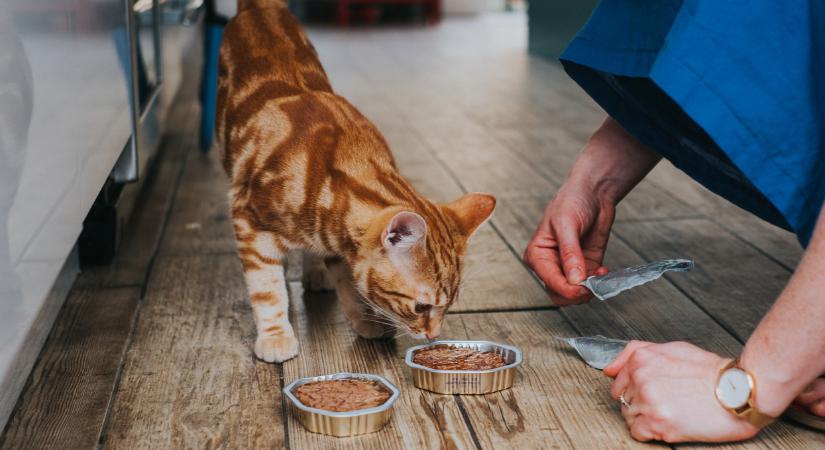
(421, 308)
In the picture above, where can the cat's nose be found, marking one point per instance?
(432, 334)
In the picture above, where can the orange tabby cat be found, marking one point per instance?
(309, 171)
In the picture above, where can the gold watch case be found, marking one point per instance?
(748, 411)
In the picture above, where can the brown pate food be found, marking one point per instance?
(448, 357)
(342, 395)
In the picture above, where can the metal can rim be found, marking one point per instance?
(408, 359)
(395, 393)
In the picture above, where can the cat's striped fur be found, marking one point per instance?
(309, 171)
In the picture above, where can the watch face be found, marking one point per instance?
(734, 388)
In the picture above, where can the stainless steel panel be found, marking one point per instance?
(64, 121)
(152, 25)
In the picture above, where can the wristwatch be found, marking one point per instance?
(736, 391)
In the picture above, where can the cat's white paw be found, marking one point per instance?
(276, 348)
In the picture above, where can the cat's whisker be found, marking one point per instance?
(378, 319)
(376, 309)
(394, 322)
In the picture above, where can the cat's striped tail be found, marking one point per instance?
(243, 5)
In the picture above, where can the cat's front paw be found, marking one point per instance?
(371, 330)
(276, 348)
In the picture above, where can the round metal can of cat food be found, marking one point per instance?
(342, 423)
(466, 381)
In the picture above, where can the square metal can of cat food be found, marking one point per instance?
(483, 381)
(342, 423)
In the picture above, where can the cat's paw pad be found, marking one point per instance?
(276, 348)
(371, 330)
(318, 280)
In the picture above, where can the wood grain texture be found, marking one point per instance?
(556, 401)
(777, 244)
(200, 221)
(732, 281)
(191, 380)
(68, 392)
(328, 345)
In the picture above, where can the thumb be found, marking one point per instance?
(570, 251)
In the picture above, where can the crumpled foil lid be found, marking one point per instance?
(597, 351)
(613, 283)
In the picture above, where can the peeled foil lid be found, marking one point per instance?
(613, 283)
(597, 351)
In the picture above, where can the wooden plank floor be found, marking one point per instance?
(154, 351)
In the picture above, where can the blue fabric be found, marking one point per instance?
(732, 92)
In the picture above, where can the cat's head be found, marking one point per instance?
(409, 263)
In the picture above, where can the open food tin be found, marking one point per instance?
(342, 423)
(466, 381)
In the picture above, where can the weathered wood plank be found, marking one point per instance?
(200, 221)
(774, 242)
(191, 379)
(68, 392)
(328, 345)
(556, 400)
(732, 281)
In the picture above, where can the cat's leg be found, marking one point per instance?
(363, 320)
(315, 276)
(261, 256)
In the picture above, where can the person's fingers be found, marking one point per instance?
(640, 429)
(572, 258)
(546, 265)
(558, 300)
(616, 366)
(620, 384)
(813, 393)
(818, 408)
(603, 270)
(629, 411)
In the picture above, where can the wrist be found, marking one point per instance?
(612, 163)
(607, 190)
(736, 389)
(774, 389)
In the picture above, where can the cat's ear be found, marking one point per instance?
(471, 211)
(404, 230)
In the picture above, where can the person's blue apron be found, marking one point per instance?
(731, 92)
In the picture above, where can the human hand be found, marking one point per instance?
(671, 391)
(569, 243)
